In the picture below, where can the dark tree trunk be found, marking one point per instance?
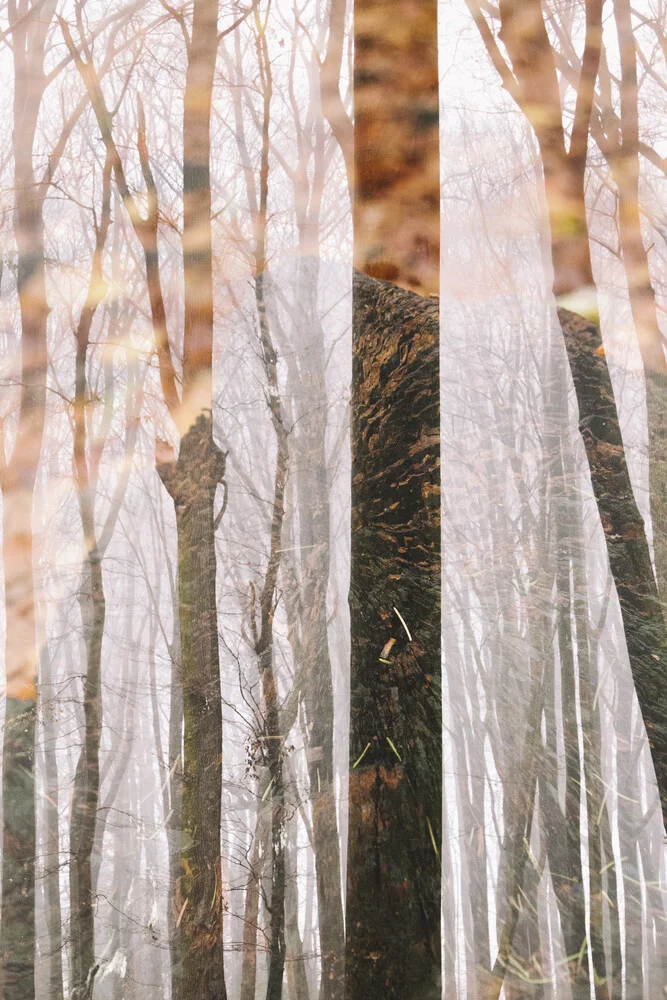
(563, 825)
(622, 152)
(192, 481)
(393, 889)
(624, 532)
(395, 777)
(274, 755)
(535, 88)
(18, 875)
(273, 740)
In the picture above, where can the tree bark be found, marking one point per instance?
(192, 482)
(393, 888)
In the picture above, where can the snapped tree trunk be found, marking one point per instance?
(395, 802)
(192, 481)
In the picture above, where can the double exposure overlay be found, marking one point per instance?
(333, 476)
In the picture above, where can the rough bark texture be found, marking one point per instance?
(192, 481)
(624, 532)
(393, 890)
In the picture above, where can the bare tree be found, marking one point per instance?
(532, 81)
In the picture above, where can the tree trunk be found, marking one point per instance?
(192, 481)
(525, 37)
(623, 158)
(86, 788)
(393, 889)
(17, 903)
(251, 911)
(85, 793)
(297, 982)
(315, 541)
(625, 536)
(174, 824)
(48, 706)
(592, 746)
(563, 826)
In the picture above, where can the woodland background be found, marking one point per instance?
(334, 630)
